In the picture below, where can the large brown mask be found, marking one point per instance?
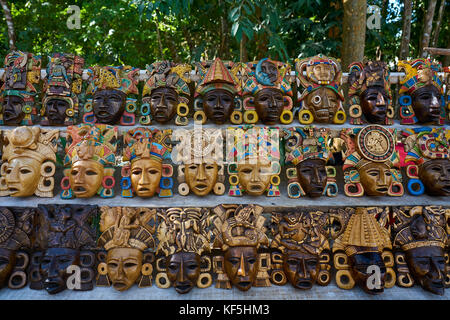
(201, 178)
(12, 110)
(241, 266)
(22, 176)
(145, 176)
(108, 105)
(163, 104)
(269, 104)
(254, 178)
(360, 263)
(183, 270)
(426, 103)
(374, 103)
(124, 267)
(7, 262)
(376, 178)
(312, 176)
(218, 105)
(435, 175)
(301, 268)
(53, 268)
(427, 266)
(55, 110)
(323, 104)
(86, 178)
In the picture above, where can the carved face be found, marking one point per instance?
(269, 104)
(301, 268)
(323, 72)
(12, 110)
(270, 70)
(376, 178)
(435, 175)
(241, 266)
(183, 270)
(360, 263)
(374, 104)
(86, 178)
(201, 178)
(323, 104)
(218, 105)
(22, 176)
(56, 111)
(53, 268)
(163, 104)
(255, 178)
(7, 262)
(124, 267)
(108, 105)
(427, 266)
(426, 103)
(312, 176)
(145, 176)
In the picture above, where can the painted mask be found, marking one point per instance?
(307, 149)
(322, 96)
(22, 72)
(419, 243)
(183, 238)
(144, 173)
(28, 162)
(372, 162)
(267, 92)
(217, 92)
(302, 240)
(239, 232)
(127, 236)
(362, 249)
(369, 93)
(166, 93)
(421, 92)
(109, 88)
(89, 161)
(63, 84)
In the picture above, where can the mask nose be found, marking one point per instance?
(301, 270)
(201, 175)
(241, 271)
(13, 175)
(79, 177)
(162, 101)
(380, 99)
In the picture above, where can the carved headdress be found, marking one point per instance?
(424, 144)
(16, 227)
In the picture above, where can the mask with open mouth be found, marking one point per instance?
(28, 162)
(62, 85)
(22, 72)
(267, 92)
(110, 89)
(166, 93)
(183, 242)
(89, 161)
(420, 241)
(370, 98)
(216, 91)
(239, 232)
(127, 236)
(322, 96)
(421, 92)
(302, 240)
(65, 237)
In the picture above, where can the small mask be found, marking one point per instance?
(109, 88)
(63, 84)
(421, 92)
(22, 72)
(322, 96)
(166, 93)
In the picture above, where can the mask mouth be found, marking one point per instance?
(53, 285)
(79, 189)
(256, 187)
(446, 188)
(183, 287)
(9, 114)
(13, 190)
(323, 114)
(120, 286)
(382, 189)
(303, 284)
(244, 285)
(201, 186)
(143, 189)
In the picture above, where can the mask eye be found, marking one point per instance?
(251, 260)
(112, 265)
(91, 173)
(130, 265)
(137, 172)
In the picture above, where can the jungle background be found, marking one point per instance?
(138, 32)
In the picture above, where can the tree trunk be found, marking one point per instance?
(354, 31)
(406, 31)
(243, 57)
(10, 24)
(427, 27)
(434, 42)
(158, 35)
(447, 58)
